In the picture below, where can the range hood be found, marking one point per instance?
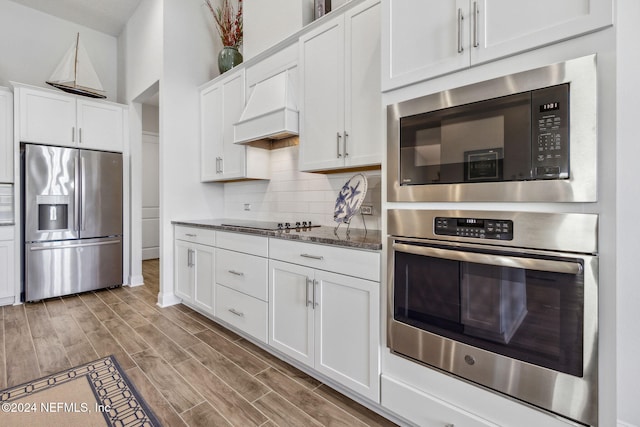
(271, 112)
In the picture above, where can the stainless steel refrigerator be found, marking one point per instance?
(72, 220)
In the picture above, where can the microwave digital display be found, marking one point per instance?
(550, 106)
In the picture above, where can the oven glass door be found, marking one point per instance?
(528, 308)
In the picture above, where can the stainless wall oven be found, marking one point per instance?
(507, 300)
(529, 136)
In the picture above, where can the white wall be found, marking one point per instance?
(141, 50)
(189, 61)
(628, 206)
(292, 195)
(32, 44)
(267, 23)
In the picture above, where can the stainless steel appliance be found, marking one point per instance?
(72, 224)
(505, 300)
(529, 136)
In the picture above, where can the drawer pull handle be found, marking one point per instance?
(236, 312)
(320, 258)
(237, 273)
(191, 235)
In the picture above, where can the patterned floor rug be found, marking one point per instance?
(95, 394)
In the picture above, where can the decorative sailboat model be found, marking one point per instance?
(75, 73)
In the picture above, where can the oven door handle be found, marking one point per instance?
(567, 267)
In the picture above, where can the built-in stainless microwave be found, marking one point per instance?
(529, 136)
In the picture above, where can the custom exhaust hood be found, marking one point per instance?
(271, 112)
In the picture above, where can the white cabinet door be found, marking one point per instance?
(47, 118)
(220, 107)
(211, 141)
(6, 135)
(203, 261)
(506, 26)
(347, 319)
(7, 284)
(184, 278)
(291, 319)
(363, 99)
(322, 97)
(422, 39)
(341, 108)
(100, 125)
(233, 155)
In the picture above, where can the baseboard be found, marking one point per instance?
(624, 424)
(168, 299)
(136, 280)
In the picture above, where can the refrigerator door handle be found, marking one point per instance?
(82, 187)
(76, 197)
(76, 245)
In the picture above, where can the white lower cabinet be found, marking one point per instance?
(242, 284)
(195, 267)
(424, 409)
(318, 304)
(7, 284)
(326, 320)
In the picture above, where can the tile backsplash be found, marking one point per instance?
(292, 195)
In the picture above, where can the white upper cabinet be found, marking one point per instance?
(6, 135)
(221, 104)
(48, 117)
(425, 38)
(100, 125)
(340, 111)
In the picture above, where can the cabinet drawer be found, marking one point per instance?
(351, 262)
(196, 235)
(242, 272)
(254, 245)
(424, 409)
(242, 311)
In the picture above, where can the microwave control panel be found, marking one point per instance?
(496, 229)
(550, 126)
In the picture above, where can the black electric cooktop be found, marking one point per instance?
(270, 225)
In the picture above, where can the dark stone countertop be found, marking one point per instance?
(357, 238)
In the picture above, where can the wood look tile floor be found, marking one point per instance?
(189, 369)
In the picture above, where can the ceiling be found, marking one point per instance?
(106, 16)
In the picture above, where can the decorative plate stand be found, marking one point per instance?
(349, 200)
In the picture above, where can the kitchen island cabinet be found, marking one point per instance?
(50, 117)
(340, 111)
(426, 38)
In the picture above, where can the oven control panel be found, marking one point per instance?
(479, 228)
